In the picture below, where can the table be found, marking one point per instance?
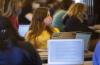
(44, 55)
(85, 63)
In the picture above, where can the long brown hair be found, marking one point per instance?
(37, 24)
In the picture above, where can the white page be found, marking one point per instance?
(65, 51)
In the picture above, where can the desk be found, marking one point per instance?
(44, 55)
(85, 63)
(98, 31)
(97, 27)
(88, 54)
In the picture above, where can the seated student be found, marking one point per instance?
(13, 49)
(60, 12)
(96, 55)
(26, 9)
(75, 18)
(40, 29)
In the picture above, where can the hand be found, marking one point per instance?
(92, 27)
(48, 20)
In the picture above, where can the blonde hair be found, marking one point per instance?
(76, 9)
(8, 7)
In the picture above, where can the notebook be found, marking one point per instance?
(64, 35)
(65, 52)
(23, 29)
(85, 36)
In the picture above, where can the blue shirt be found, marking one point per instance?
(57, 19)
(96, 55)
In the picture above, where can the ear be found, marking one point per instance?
(48, 20)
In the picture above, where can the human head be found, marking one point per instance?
(7, 31)
(40, 20)
(10, 7)
(76, 9)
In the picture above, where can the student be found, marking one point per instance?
(75, 18)
(59, 13)
(96, 55)
(11, 9)
(40, 29)
(26, 11)
(13, 49)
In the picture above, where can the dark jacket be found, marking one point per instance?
(18, 53)
(33, 53)
(74, 24)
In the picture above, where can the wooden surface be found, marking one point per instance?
(85, 63)
(44, 55)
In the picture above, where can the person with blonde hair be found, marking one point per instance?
(75, 18)
(40, 30)
(11, 9)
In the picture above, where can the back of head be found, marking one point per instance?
(4, 34)
(7, 32)
(37, 25)
(76, 9)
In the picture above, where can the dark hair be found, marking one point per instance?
(7, 32)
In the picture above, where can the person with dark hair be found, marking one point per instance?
(26, 9)
(13, 49)
(60, 12)
(59, 4)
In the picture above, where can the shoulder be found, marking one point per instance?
(60, 12)
(26, 46)
(27, 35)
(29, 32)
(55, 29)
(34, 56)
